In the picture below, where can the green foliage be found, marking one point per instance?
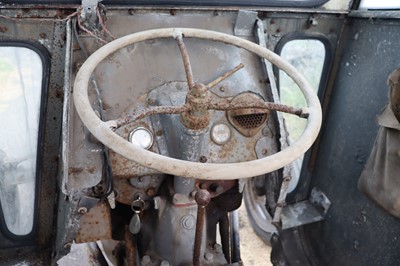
(308, 57)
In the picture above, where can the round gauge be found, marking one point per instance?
(220, 133)
(142, 137)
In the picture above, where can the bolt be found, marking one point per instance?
(68, 245)
(188, 222)
(164, 263)
(82, 210)
(159, 133)
(264, 152)
(203, 159)
(131, 11)
(218, 248)
(209, 256)
(222, 88)
(151, 192)
(78, 65)
(146, 260)
(151, 101)
(266, 131)
(43, 35)
(172, 12)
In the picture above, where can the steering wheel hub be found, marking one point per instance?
(197, 116)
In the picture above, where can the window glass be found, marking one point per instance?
(383, 4)
(20, 94)
(307, 56)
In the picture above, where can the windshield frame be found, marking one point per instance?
(172, 3)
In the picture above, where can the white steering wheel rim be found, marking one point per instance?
(207, 171)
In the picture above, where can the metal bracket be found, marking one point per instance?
(305, 212)
(88, 12)
(86, 203)
(245, 22)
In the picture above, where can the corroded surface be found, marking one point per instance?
(95, 224)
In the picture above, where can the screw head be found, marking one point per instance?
(208, 256)
(165, 263)
(146, 260)
(203, 159)
(82, 210)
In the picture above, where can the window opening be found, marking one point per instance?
(20, 97)
(307, 56)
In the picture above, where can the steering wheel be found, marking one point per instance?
(103, 130)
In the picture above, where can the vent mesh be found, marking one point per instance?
(250, 121)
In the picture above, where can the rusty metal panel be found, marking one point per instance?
(95, 224)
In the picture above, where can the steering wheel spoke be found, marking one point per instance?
(226, 105)
(224, 76)
(186, 60)
(156, 110)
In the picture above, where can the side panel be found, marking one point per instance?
(47, 35)
(355, 232)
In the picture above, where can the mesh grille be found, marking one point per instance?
(250, 121)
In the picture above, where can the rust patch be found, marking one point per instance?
(124, 120)
(227, 148)
(91, 169)
(125, 192)
(257, 106)
(74, 170)
(250, 146)
(58, 93)
(3, 29)
(159, 133)
(123, 168)
(106, 106)
(95, 224)
(130, 248)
